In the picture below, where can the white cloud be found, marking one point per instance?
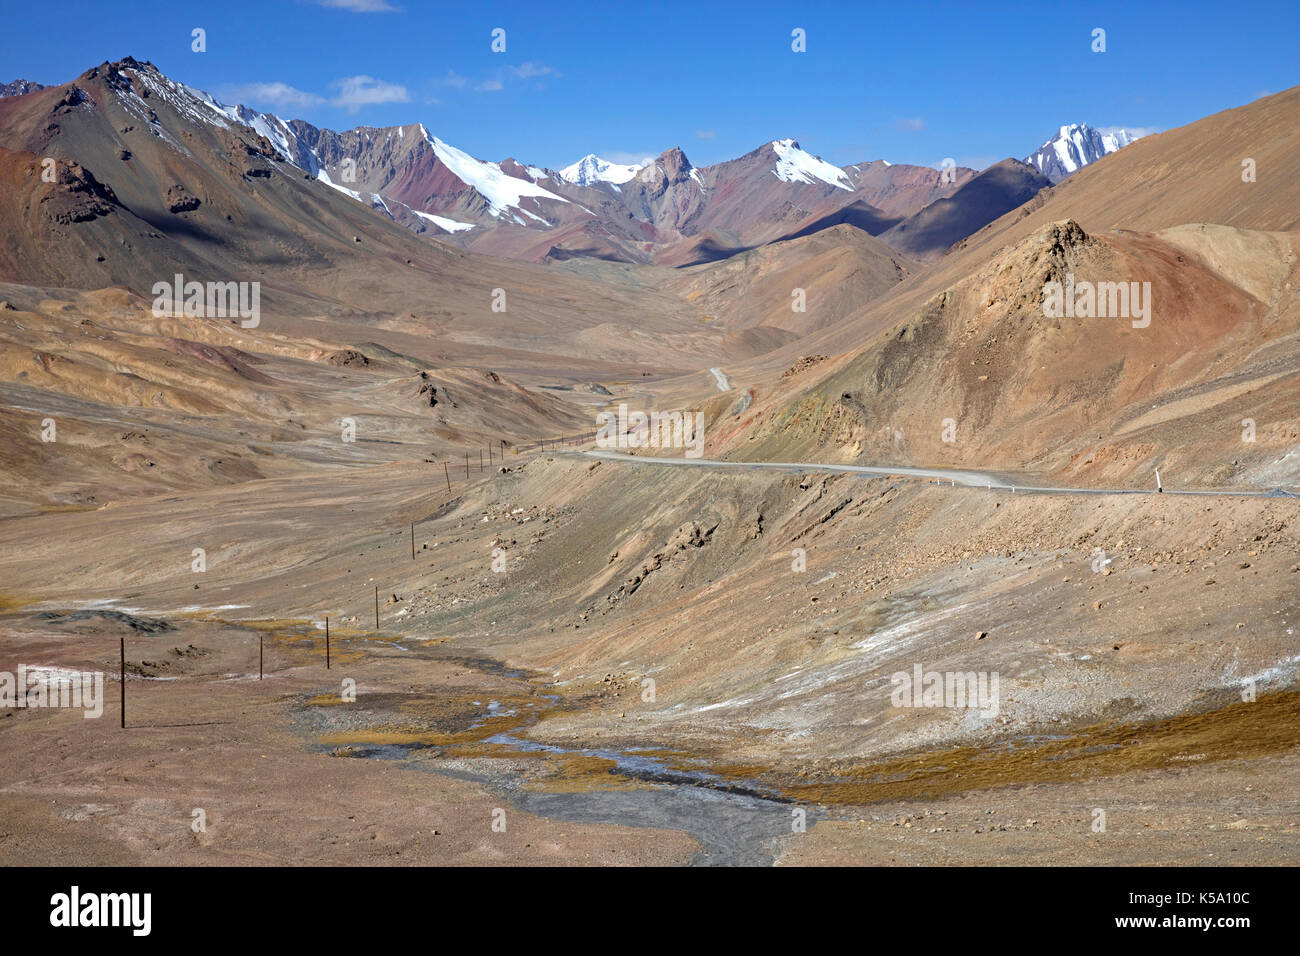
(912, 125)
(278, 95)
(975, 162)
(531, 70)
(360, 6)
(358, 91)
(705, 134)
(1137, 131)
(628, 159)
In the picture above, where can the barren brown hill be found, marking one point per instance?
(141, 405)
(858, 214)
(1187, 175)
(980, 375)
(835, 269)
(746, 198)
(995, 191)
(1206, 293)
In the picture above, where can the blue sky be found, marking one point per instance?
(911, 82)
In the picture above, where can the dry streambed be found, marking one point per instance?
(745, 813)
(434, 707)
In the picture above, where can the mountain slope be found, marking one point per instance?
(151, 183)
(781, 190)
(835, 269)
(665, 211)
(1190, 174)
(1000, 188)
(1090, 400)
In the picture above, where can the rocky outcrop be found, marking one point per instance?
(77, 196)
(180, 200)
(348, 358)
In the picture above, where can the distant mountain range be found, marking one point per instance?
(1075, 146)
(19, 88)
(666, 210)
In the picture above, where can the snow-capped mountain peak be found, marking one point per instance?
(1077, 145)
(502, 192)
(20, 87)
(592, 169)
(793, 165)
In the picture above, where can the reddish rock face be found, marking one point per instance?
(676, 167)
(512, 167)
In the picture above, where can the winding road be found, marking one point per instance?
(955, 477)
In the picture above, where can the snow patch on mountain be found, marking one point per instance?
(592, 169)
(535, 218)
(499, 189)
(443, 223)
(199, 106)
(325, 178)
(793, 165)
(272, 127)
(373, 200)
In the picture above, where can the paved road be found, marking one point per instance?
(955, 477)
